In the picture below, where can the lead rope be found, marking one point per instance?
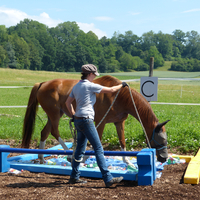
(109, 108)
(73, 132)
(139, 117)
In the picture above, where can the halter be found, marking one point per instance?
(153, 139)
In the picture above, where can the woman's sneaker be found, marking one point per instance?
(74, 181)
(114, 180)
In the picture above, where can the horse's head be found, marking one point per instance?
(159, 142)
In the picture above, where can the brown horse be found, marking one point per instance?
(51, 95)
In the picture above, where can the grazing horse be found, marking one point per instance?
(51, 95)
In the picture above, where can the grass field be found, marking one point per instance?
(29, 78)
(166, 66)
(160, 74)
(183, 129)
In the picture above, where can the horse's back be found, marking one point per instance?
(55, 92)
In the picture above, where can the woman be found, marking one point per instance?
(84, 94)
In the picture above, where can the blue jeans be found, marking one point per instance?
(87, 131)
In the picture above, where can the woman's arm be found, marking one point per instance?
(113, 88)
(69, 105)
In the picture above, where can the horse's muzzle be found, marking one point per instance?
(162, 155)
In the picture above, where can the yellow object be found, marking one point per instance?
(193, 170)
(187, 158)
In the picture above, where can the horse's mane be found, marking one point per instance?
(143, 106)
(107, 81)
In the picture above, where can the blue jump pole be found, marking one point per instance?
(66, 152)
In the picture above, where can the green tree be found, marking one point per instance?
(91, 50)
(178, 65)
(129, 42)
(158, 59)
(103, 65)
(36, 54)
(196, 65)
(119, 52)
(2, 56)
(139, 64)
(186, 64)
(40, 42)
(22, 51)
(178, 41)
(176, 52)
(148, 40)
(110, 49)
(127, 62)
(192, 49)
(3, 34)
(65, 35)
(49, 56)
(164, 44)
(12, 62)
(81, 56)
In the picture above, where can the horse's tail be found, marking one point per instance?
(29, 120)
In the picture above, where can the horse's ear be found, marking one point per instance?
(160, 125)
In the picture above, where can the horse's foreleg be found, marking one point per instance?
(64, 146)
(100, 129)
(120, 131)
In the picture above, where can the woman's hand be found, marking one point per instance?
(124, 84)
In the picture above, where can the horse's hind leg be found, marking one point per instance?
(54, 128)
(44, 135)
(51, 126)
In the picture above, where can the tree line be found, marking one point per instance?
(65, 48)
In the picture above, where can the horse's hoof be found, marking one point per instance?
(42, 162)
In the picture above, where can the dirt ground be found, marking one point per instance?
(29, 185)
